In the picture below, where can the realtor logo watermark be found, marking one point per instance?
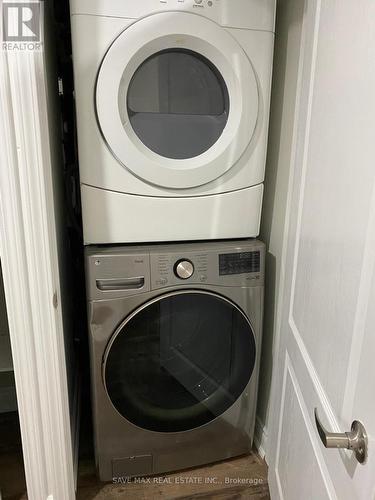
(22, 28)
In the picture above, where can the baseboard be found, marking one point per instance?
(260, 438)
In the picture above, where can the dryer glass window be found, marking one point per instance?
(180, 361)
(177, 103)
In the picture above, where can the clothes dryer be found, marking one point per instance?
(172, 101)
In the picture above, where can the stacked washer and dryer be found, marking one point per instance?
(172, 100)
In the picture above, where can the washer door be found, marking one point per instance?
(179, 361)
(176, 99)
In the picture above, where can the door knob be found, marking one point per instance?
(355, 440)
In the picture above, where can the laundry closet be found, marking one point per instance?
(188, 272)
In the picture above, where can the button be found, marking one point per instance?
(161, 281)
(198, 1)
(203, 278)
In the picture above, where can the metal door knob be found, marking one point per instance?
(355, 440)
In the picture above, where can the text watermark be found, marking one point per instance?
(189, 480)
(22, 27)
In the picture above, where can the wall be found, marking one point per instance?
(285, 75)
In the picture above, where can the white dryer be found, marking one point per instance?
(172, 100)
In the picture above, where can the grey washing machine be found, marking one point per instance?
(175, 337)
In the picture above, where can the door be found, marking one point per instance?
(176, 99)
(179, 361)
(326, 343)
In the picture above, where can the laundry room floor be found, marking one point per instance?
(235, 479)
(240, 478)
(12, 474)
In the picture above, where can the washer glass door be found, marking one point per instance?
(179, 361)
(176, 100)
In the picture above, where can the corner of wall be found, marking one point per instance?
(283, 103)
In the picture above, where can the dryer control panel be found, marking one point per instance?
(245, 14)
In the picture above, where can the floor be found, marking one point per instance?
(12, 474)
(236, 479)
(241, 478)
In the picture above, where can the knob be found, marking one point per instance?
(355, 440)
(184, 269)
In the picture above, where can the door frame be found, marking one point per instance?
(301, 122)
(284, 366)
(29, 254)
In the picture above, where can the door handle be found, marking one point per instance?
(355, 440)
(119, 285)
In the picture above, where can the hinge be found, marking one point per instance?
(60, 86)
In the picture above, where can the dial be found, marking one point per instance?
(184, 269)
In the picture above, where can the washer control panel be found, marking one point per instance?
(239, 263)
(129, 270)
(219, 266)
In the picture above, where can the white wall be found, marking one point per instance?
(285, 74)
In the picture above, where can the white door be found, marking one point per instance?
(177, 99)
(326, 342)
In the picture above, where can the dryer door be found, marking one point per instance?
(177, 99)
(179, 361)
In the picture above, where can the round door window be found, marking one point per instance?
(177, 103)
(179, 361)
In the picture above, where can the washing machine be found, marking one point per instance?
(175, 339)
(172, 101)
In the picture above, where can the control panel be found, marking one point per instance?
(124, 271)
(226, 268)
(239, 263)
(192, 4)
(245, 14)
(167, 269)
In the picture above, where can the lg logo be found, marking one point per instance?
(22, 25)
